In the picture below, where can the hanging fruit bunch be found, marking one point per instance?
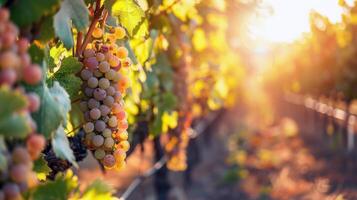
(20, 144)
(105, 80)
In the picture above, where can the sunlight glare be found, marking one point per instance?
(290, 19)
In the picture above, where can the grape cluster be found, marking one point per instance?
(105, 82)
(16, 174)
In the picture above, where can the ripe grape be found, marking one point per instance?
(100, 125)
(22, 45)
(99, 154)
(121, 115)
(110, 74)
(122, 52)
(12, 191)
(8, 77)
(107, 133)
(91, 63)
(35, 143)
(88, 91)
(123, 135)
(104, 110)
(117, 108)
(32, 75)
(34, 102)
(97, 140)
(109, 142)
(120, 32)
(100, 57)
(113, 122)
(92, 103)
(9, 59)
(88, 127)
(123, 125)
(97, 32)
(104, 66)
(127, 62)
(109, 161)
(97, 73)
(113, 61)
(86, 74)
(4, 15)
(18, 173)
(20, 155)
(119, 154)
(104, 83)
(87, 53)
(99, 94)
(124, 145)
(118, 96)
(92, 82)
(95, 113)
(110, 90)
(108, 101)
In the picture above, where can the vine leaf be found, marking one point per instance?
(41, 168)
(97, 190)
(26, 12)
(13, 100)
(61, 146)
(55, 104)
(59, 189)
(71, 11)
(66, 76)
(131, 16)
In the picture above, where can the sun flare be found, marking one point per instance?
(288, 20)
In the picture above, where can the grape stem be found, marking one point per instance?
(79, 42)
(97, 14)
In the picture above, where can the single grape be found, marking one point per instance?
(18, 173)
(88, 127)
(123, 125)
(117, 77)
(109, 161)
(122, 52)
(100, 57)
(113, 122)
(8, 77)
(105, 119)
(87, 53)
(110, 74)
(97, 73)
(92, 82)
(22, 45)
(86, 74)
(123, 135)
(124, 145)
(110, 90)
(121, 115)
(120, 33)
(9, 59)
(32, 180)
(25, 60)
(91, 63)
(20, 155)
(89, 137)
(99, 94)
(95, 113)
(107, 132)
(113, 61)
(99, 154)
(83, 106)
(100, 125)
(104, 83)
(88, 91)
(97, 32)
(4, 15)
(104, 110)
(11, 191)
(119, 154)
(97, 140)
(87, 117)
(127, 62)
(116, 108)
(92, 103)
(104, 49)
(32, 74)
(35, 143)
(108, 101)
(118, 96)
(108, 142)
(104, 66)
(34, 102)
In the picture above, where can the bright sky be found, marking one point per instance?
(290, 18)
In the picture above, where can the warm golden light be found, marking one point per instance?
(289, 19)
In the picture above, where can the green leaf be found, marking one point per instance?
(55, 104)
(97, 190)
(169, 101)
(67, 78)
(131, 16)
(47, 32)
(37, 54)
(71, 11)
(3, 158)
(15, 126)
(11, 101)
(59, 189)
(26, 12)
(61, 146)
(41, 168)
